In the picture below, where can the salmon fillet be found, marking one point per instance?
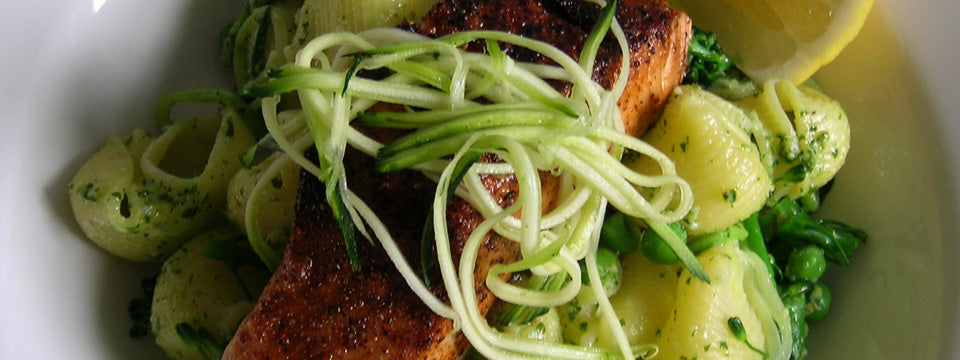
(657, 36)
(317, 307)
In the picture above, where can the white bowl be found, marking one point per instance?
(75, 72)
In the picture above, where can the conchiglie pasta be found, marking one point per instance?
(197, 289)
(808, 136)
(270, 190)
(579, 319)
(697, 327)
(141, 199)
(709, 140)
(545, 328)
(644, 301)
(685, 318)
(318, 17)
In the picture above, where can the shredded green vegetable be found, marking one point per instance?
(469, 104)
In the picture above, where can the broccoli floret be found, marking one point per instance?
(706, 62)
(709, 67)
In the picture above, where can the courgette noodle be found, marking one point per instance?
(459, 104)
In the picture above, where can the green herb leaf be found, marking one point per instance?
(789, 227)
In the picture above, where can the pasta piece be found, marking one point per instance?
(697, 327)
(808, 134)
(580, 320)
(709, 140)
(686, 318)
(644, 301)
(198, 289)
(545, 328)
(779, 137)
(273, 199)
(141, 199)
(318, 17)
(258, 40)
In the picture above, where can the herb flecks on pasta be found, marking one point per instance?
(804, 138)
(141, 198)
(208, 285)
(709, 140)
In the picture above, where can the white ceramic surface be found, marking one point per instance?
(73, 72)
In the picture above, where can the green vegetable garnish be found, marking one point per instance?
(788, 227)
(521, 315)
(453, 106)
(620, 233)
(805, 264)
(655, 248)
(709, 67)
(201, 341)
(428, 258)
(818, 302)
(609, 269)
(703, 242)
(736, 327)
(706, 62)
(795, 304)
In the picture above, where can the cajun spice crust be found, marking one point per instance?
(317, 307)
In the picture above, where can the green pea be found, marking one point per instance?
(609, 269)
(621, 233)
(806, 264)
(795, 307)
(795, 289)
(608, 265)
(818, 302)
(656, 249)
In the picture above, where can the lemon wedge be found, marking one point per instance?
(786, 39)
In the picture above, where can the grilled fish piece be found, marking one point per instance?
(657, 36)
(317, 307)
